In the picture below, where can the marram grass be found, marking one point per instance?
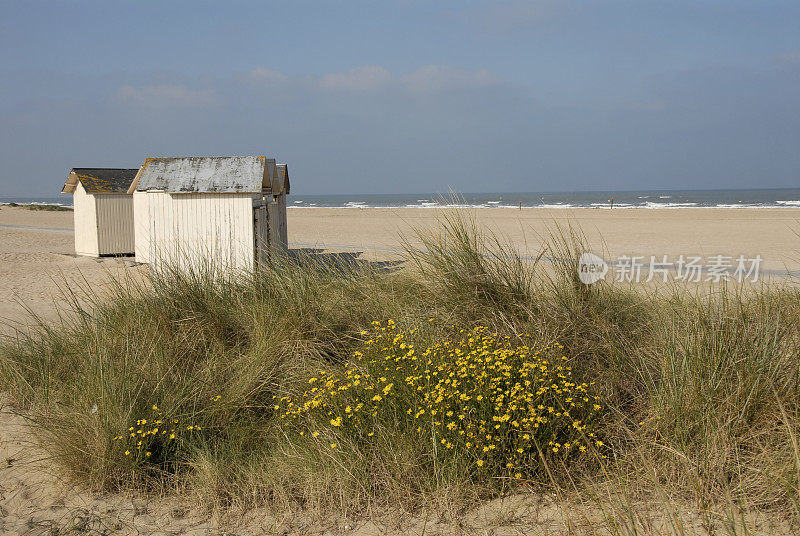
(291, 388)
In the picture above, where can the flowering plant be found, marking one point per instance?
(501, 402)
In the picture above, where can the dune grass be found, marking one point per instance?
(697, 393)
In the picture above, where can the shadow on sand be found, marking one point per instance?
(346, 261)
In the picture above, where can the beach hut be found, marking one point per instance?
(223, 212)
(103, 210)
(278, 215)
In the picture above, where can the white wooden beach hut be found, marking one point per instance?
(220, 212)
(103, 210)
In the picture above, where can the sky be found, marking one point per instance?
(408, 96)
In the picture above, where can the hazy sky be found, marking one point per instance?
(408, 95)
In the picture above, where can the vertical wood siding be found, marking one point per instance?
(277, 223)
(115, 224)
(141, 226)
(262, 238)
(200, 230)
(270, 225)
(85, 218)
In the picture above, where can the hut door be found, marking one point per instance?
(261, 234)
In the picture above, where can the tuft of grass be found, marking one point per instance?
(473, 273)
(700, 390)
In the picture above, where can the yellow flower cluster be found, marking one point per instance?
(138, 440)
(497, 400)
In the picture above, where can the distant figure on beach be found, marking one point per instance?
(520, 204)
(611, 201)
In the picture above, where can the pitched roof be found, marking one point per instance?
(100, 180)
(208, 174)
(283, 177)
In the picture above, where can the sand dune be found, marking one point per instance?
(36, 260)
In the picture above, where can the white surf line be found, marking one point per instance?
(34, 228)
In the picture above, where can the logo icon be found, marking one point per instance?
(591, 268)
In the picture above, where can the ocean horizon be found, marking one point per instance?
(647, 199)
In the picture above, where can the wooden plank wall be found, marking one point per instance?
(141, 226)
(200, 230)
(85, 221)
(115, 224)
(279, 237)
(271, 233)
(262, 242)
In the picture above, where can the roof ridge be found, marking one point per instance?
(211, 174)
(108, 168)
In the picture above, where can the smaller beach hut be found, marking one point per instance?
(103, 210)
(220, 212)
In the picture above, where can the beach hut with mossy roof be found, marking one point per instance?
(103, 210)
(225, 213)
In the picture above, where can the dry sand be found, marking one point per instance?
(36, 247)
(36, 259)
(772, 233)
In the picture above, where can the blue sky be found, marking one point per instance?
(408, 96)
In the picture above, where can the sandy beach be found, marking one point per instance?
(770, 233)
(37, 259)
(37, 252)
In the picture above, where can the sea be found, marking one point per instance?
(648, 199)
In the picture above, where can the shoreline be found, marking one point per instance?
(425, 204)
